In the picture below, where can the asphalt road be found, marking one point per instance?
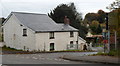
(42, 58)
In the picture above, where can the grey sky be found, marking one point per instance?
(44, 6)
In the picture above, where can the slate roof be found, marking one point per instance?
(41, 22)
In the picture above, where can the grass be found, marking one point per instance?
(100, 46)
(74, 51)
(9, 49)
(13, 49)
(115, 53)
(63, 51)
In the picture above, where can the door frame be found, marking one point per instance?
(52, 46)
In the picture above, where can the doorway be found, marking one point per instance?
(51, 46)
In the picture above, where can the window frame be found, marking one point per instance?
(51, 35)
(71, 44)
(71, 34)
(24, 32)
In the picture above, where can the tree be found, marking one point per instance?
(114, 21)
(70, 11)
(101, 17)
(91, 17)
(95, 27)
(114, 5)
(99, 29)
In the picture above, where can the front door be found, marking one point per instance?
(51, 46)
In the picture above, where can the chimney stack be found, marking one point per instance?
(66, 21)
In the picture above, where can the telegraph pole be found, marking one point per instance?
(108, 33)
(115, 40)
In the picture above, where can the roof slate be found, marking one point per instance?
(41, 22)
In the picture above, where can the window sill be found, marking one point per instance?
(52, 38)
(24, 35)
(71, 36)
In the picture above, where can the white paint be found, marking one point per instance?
(60, 41)
(13, 37)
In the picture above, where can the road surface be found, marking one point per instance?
(42, 58)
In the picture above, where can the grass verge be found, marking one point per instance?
(115, 53)
(9, 49)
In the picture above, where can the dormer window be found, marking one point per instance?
(24, 32)
(71, 34)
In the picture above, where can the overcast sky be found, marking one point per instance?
(45, 6)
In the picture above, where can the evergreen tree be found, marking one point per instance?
(70, 11)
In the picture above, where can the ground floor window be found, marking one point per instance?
(71, 44)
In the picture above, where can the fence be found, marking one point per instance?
(72, 46)
(97, 45)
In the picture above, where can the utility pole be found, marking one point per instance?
(115, 40)
(108, 33)
(108, 41)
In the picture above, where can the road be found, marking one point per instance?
(42, 58)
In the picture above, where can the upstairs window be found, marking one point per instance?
(51, 35)
(24, 32)
(71, 34)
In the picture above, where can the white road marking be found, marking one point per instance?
(66, 60)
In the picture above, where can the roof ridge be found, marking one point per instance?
(28, 13)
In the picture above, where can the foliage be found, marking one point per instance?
(114, 21)
(114, 5)
(95, 27)
(101, 17)
(91, 17)
(70, 11)
(9, 49)
(96, 21)
(99, 29)
(111, 53)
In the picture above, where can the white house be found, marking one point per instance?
(38, 32)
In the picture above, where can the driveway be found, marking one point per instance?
(42, 58)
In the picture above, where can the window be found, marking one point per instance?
(71, 44)
(51, 35)
(76, 42)
(71, 34)
(24, 32)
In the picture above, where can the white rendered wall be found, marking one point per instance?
(61, 39)
(13, 35)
